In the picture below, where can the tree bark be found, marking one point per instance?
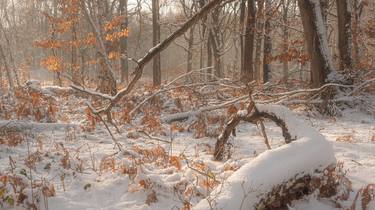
(74, 68)
(316, 41)
(189, 66)
(123, 7)
(209, 57)
(285, 44)
(344, 16)
(247, 74)
(267, 49)
(259, 39)
(6, 66)
(53, 37)
(357, 10)
(242, 26)
(107, 76)
(156, 68)
(215, 42)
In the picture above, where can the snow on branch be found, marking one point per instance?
(251, 185)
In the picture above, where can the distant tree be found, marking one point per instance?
(123, 10)
(6, 66)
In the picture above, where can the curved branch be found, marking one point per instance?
(156, 50)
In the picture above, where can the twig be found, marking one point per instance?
(110, 132)
(264, 134)
(154, 137)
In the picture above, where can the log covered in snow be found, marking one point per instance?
(274, 170)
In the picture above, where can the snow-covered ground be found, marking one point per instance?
(87, 171)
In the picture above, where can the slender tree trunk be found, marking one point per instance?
(204, 45)
(248, 71)
(316, 41)
(209, 57)
(123, 7)
(285, 44)
(267, 49)
(259, 40)
(189, 66)
(8, 72)
(1, 79)
(344, 16)
(215, 42)
(156, 40)
(74, 68)
(242, 27)
(9, 46)
(10, 53)
(357, 10)
(83, 66)
(57, 79)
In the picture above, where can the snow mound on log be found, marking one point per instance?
(247, 186)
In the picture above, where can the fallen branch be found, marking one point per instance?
(251, 115)
(185, 115)
(280, 175)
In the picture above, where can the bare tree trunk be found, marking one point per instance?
(357, 10)
(259, 39)
(53, 37)
(247, 74)
(9, 47)
(344, 16)
(215, 39)
(107, 75)
(242, 27)
(204, 45)
(6, 66)
(316, 41)
(285, 44)
(209, 56)
(83, 65)
(267, 49)
(123, 7)
(1, 80)
(74, 68)
(189, 66)
(106, 80)
(156, 40)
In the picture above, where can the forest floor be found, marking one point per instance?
(76, 168)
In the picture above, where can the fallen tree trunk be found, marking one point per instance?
(276, 176)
